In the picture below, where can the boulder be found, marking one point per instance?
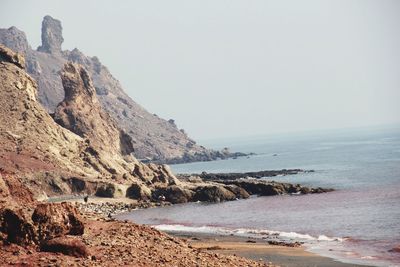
(16, 227)
(65, 245)
(320, 190)
(305, 190)
(139, 192)
(57, 219)
(175, 194)
(238, 191)
(213, 194)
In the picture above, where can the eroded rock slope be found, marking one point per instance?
(153, 138)
(86, 153)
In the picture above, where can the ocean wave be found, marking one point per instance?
(256, 233)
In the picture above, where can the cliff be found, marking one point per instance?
(84, 152)
(152, 137)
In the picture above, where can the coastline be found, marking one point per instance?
(284, 254)
(257, 250)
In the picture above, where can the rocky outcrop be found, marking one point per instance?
(87, 149)
(151, 137)
(15, 39)
(80, 112)
(109, 190)
(16, 227)
(139, 191)
(239, 192)
(175, 194)
(85, 152)
(7, 55)
(32, 146)
(48, 221)
(57, 219)
(52, 38)
(271, 188)
(258, 174)
(213, 194)
(207, 155)
(13, 190)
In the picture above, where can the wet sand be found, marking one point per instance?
(278, 255)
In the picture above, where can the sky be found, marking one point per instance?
(237, 68)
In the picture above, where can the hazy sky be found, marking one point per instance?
(234, 68)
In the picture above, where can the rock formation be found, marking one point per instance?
(19, 226)
(152, 138)
(81, 149)
(88, 152)
(81, 113)
(51, 36)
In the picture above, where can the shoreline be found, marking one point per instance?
(250, 248)
(290, 254)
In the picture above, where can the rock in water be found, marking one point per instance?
(213, 194)
(175, 194)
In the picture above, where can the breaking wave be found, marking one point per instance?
(246, 232)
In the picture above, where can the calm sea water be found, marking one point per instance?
(358, 223)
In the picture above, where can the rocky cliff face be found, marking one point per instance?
(81, 113)
(51, 36)
(88, 152)
(153, 138)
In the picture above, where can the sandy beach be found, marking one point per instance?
(257, 250)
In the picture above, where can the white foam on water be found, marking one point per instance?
(368, 257)
(293, 235)
(256, 233)
(322, 244)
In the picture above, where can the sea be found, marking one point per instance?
(358, 223)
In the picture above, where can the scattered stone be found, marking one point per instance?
(65, 245)
(286, 244)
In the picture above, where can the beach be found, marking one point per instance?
(257, 250)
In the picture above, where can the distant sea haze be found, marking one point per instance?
(358, 223)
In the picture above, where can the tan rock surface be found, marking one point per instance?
(51, 159)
